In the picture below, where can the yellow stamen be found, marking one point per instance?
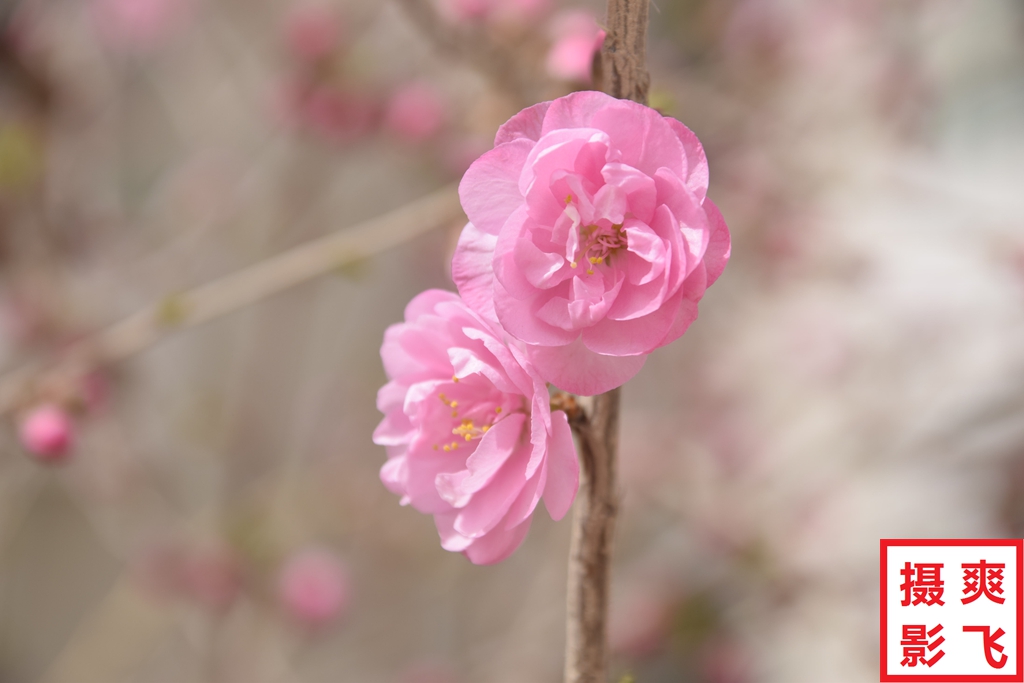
(454, 404)
(498, 409)
(568, 198)
(573, 264)
(455, 413)
(435, 446)
(447, 447)
(589, 271)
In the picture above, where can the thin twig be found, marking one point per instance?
(232, 292)
(473, 48)
(621, 72)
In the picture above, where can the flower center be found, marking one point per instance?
(597, 243)
(470, 422)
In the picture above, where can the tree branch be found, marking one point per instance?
(232, 292)
(621, 72)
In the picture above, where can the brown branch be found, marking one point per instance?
(622, 69)
(232, 292)
(621, 72)
(586, 658)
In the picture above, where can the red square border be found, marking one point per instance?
(1016, 677)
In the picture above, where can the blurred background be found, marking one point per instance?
(209, 509)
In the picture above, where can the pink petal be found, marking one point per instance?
(524, 125)
(636, 336)
(685, 208)
(720, 245)
(426, 302)
(693, 290)
(696, 161)
(578, 370)
(643, 138)
(423, 467)
(496, 446)
(538, 267)
(394, 474)
(473, 270)
(394, 430)
(497, 545)
(488, 506)
(526, 502)
(576, 110)
(489, 190)
(563, 479)
(521, 319)
(641, 193)
(506, 271)
(451, 540)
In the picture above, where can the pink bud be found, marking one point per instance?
(415, 112)
(47, 432)
(313, 32)
(576, 39)
(313, 587)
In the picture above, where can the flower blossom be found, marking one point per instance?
(591, 238)
(313, 587)
(576, 39)
(469, 430)
(48, 433)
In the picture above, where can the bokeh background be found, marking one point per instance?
(857, 372)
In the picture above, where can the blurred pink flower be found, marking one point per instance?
(47, 432)
(337, 115)
(576, 38)
(313, 587)
(470, 435)
(313, 32)
(212, 576)
(137, 25)
(590, 238)
(415, 112)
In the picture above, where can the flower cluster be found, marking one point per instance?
(590, 242)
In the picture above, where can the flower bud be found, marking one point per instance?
(313, 587)
(47, 432)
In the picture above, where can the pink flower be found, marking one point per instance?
(590, 236)
(312, 32)
(468, 426)
(47, 432)
(336, 115)
(576, 39)
(137, 25)
(415, 112)
(313, 587)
